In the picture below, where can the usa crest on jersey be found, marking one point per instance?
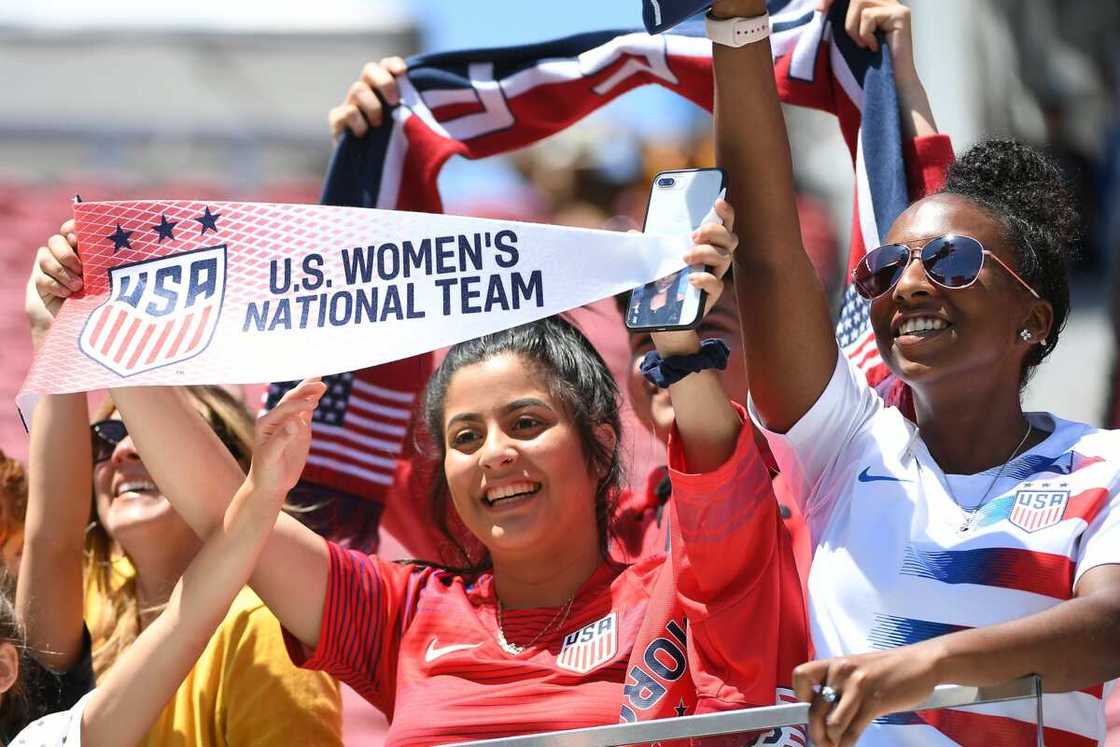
(158, 312)
(590, 646)
(1038, 509)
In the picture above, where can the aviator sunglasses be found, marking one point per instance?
(106, 434)
(951, 261)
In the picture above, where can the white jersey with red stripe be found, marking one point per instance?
(904, 552)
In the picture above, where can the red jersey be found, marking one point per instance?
(717, 624)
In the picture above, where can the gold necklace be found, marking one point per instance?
(558, 621)
(970, 515)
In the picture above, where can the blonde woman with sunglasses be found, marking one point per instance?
(132, 696)
(105, 549)
(978, 543)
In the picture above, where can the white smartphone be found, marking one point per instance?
(678, 202)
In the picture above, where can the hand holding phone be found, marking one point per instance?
(680, 201)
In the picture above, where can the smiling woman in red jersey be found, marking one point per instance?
(977, 543)
(535, 628)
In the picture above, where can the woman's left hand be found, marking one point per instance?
(713, 246)
(890, 17)
(869, 685)
(283, 438)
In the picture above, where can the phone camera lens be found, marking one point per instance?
(666, 181)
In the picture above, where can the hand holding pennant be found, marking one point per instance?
(249, 292)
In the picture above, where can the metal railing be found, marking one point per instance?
(755, 719)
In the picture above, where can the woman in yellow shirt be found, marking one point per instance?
(123, 706)
(243, 689)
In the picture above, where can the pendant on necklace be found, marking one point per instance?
(510, 648)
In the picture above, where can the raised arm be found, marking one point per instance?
(787, 332)
(706, 421)
(135, 691)
(721, 488)
(891, 18)
(49, 593)
(788, 336)
(199, 476)
(186, 459)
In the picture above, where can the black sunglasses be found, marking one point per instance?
(951, 261)
(106, 434)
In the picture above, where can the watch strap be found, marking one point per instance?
(737, 32)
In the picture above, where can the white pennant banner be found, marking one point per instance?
(182, 292)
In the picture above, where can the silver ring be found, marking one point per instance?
(829, 694)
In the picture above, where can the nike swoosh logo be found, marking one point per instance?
(434, 653)
(866, 476)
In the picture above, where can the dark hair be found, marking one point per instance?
(576, 376)
(1025, 191)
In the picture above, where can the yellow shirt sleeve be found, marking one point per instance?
(244, 689)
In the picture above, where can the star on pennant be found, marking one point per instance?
(164, 229)
(120, 239)
(681, 708)
(208, 221)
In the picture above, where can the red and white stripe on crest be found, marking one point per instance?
(133, 341)
(1038, 509)
(590, 646)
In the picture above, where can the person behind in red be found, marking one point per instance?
(537, 629)
(641, 525)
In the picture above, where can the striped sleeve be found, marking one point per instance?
(1100, 543)
(819, 442)
(736, 579)
(731, 506)
(365, 613)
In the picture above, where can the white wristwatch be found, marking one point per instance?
(737, 32)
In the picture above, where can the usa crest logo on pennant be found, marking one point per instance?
(158, 312)
(1038, 509)
(590, 646)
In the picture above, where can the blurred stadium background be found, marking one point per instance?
(228, 100)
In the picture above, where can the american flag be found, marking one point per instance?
(362, 426)
(480, 103)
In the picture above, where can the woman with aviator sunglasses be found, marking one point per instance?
(950, 261)
(978, 543)
(106, 434)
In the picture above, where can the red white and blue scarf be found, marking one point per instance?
(485, 102)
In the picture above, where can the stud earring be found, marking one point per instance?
(1024, 335)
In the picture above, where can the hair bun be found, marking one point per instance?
(1025, 190)
(1019, 182)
